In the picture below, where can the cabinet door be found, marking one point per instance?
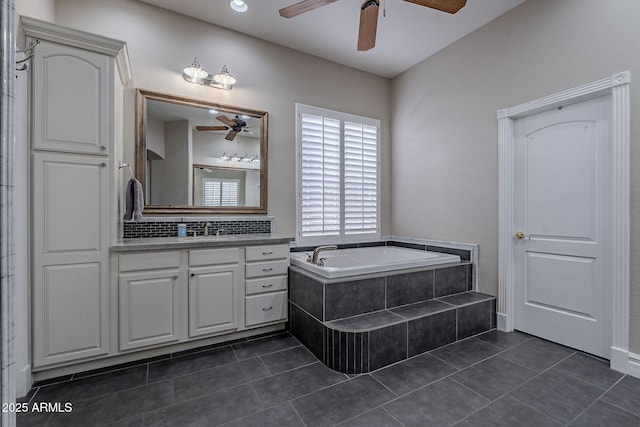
(149, 308)
(213, 297)
(71, 94)
(70, 257)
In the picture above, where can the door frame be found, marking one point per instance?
(618, 87)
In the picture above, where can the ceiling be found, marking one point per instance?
(408, 34)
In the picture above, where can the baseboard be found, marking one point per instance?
(24, 380)
(634, 365)
(503, 323)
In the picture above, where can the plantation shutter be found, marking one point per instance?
(220, 192)
(338, 189)
(320, 180)
(360, 178)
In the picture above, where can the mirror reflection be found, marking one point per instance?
(200, 157)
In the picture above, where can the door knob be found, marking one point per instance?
(521, 235)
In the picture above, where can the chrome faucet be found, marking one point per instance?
(313, 259)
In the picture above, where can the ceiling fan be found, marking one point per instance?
(369, 14)
(234, 126)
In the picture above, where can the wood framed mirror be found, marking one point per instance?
(199, 157)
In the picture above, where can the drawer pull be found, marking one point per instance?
(267, 253)
(267, 308)
(267, 286)
(266, 270)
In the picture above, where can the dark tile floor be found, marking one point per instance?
(493, 379)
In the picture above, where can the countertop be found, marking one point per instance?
(162, 243)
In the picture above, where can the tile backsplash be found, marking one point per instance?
(168, 227)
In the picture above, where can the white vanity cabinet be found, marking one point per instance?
(266, 284)
(76, 116)
(149, 299)
(214, 283)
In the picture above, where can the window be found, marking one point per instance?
(220, 192)
(338, 190)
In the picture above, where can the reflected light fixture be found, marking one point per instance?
(239, 6)
(194, 73)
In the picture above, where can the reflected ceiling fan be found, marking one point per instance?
(369, 14)
(234, 126)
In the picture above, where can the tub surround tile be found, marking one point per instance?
(427, 333)
(309, 330)
(352, 298)
(473, 319)
(307, 293)
(465, 298)
(450, 280)
(387, 346)
(415, 246)
(465, 255)
(420, 309)
(374, 321)
(366, 322)
(409, 288)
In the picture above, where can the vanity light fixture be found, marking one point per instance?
(239, 6)
(194, 73)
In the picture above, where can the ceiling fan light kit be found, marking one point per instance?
(369, 14)
(194, 73)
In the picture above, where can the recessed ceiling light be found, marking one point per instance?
(239, 5)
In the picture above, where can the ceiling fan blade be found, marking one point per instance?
(226, 120)
(368, 24)
(207, 128)
(302, 7)
(449, 6)
(231, 135)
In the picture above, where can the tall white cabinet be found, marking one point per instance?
(76, 97)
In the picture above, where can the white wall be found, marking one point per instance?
(270, 78)
(445, 162)
(39, 9)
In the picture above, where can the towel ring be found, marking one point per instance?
(126, 165)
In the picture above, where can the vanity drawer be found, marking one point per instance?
(267, 268)
(265, 308)
(267, 284)
(149, 261)
(200, 257)
(260, 253)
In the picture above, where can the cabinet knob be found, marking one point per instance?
(266, 308)
(103, 148)
(193, 274)
(176, 277)
(102, 165)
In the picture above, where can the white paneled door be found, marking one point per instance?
(563, 225)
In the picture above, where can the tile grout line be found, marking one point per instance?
(599, 399)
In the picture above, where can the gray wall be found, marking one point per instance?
(270, 78)
(444, 127)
